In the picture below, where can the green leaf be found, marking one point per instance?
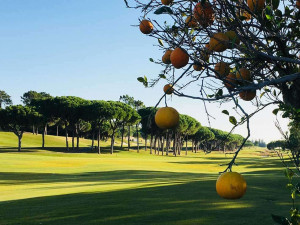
(275, 111)
(162, 76)
(290, 186)
(293, 195)
(289, 173)
(225, 112)
(280, 220)
(163, 10)
(232, 120)
(219, 93)
(274, 92)
(262, 94)
(141, 79)
(151, 60)
(160, 42)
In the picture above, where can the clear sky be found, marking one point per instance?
(89, 49)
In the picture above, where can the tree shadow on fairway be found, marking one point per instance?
(104, 150)
(183, 198)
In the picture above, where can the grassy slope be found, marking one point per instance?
(53, 187)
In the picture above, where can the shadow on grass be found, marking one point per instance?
(104, 150)
(193, 201)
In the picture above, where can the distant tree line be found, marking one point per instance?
(100, 120)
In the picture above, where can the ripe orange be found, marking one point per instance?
(204, 13)
(218, 42)
(168, 89)
(146, 27)
(230, 81)
(247, 95)
(191, 22)
(179, 58)
(166, 2)
(243, 75)
(166, 118)
(166, 57)
(222, 69)
(233, 39)
(256, 5)
(197, 66)
(231, 185)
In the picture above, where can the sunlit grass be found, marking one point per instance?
(55, 187)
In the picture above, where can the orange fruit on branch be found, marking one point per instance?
(166, 2)
(166, 57)
(166, 118)
(168, 89)
(222, 69)
(243, 75)
(179, 58)
(230, 81)
(204, 13)
(146, 27)
(231, 185)
(247, 95)
(233, 39)
(256, 5)
(191, 22)
(218, 42)
(197, 66)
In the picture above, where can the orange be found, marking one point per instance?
(168, 89)
(204, 13)
(256, 5)
(247, 95)
(233, 39)
(191, 22)
(231, 185)
(166, 118)
(179, 58)
(218, 42)
(243, 75)
(146, 27)
(197, 66)
(230, 81)
(298, 4)
(166, 2)
(222, 69)
(166, 57)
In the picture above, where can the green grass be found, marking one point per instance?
(54, 187)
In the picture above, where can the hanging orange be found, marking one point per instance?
(230, 81)
(166, 2)
(166, 118)
(222, 69)
(243, 75)
(204, 13)
(146, 27)
(191, 22)
(256, 5)
(179, 58)
(231, 185)
(197, 66)
(218, 42)
(247, 95)
(166, 57)
(168, 89)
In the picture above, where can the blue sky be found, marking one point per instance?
(89, 49)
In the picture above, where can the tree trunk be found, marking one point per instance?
(167, 143)
(73, 134)
(33, 129)
(162, 145)
(155, 139)
(37, 131)
(186, 141)
(67, 143)
(137, 137)
(43, 136)
(128, 144)
(57, 130)
(122, 135)
(98, 140)
(145, 142)
(151, 143)
(93, 139)
(20, 141)
(112, 142)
